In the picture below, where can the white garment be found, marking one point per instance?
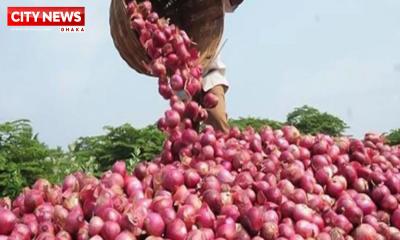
(214, 75)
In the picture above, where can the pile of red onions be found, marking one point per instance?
(275, 184)
(272, 184)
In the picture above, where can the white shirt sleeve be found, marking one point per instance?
(216, 76)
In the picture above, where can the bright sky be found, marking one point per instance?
(340, 56)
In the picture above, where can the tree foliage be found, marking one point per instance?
(123, 142)
(256, 123)
(22, 157)
(393, 137)
(310, 120)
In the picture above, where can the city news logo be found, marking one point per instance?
(69, 19)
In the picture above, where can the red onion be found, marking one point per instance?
(360, 185)
(205, 218)
(244, 180)
(395, 218)
(224, 176)
(74, 220)
(193, 200)
(286, 230)
(119, 167)
(22, 230)
(44, 212)
(210, 100)
(176, 81)
(70, 183)
(172, 179)
(269, 231)
(7, 221)
(168, 215)
(319, 161)
(41, 185)
(187, 214)
(365, 203)
(32, 200)
(389, 203)
(298, 196)
(141, 170)
(320, 147)
(306, 229)
(354, 214)
(180, 195)
(287, 208)
(213, 199)
(226, 230)
(172, 118)
(393, 183)
(271, 216)
(336, 186)
(192, 178)
(31, 221)
(192, 110)
(379, 192)
(365, 232)
(110, 230)
(239, 158)
(274, 195)
(253, 219)
(176, 230)
(95, 225)
(302, 212)
(231, 211)
(63, 235)
(211, 183)
(154, 224)
(125, 235)
(54, 195)
(307, 182)
(189, 136)
(341, 221)
(46, 227)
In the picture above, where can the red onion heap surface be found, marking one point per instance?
(272, 184)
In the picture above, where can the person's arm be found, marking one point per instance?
(231, 5)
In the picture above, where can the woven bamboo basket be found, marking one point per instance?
(203, 20)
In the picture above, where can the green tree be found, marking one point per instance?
(22, 156)
(123, 142)
(256, 123)
(311, 121)
(393, 137)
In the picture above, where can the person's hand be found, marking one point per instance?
(235, 2)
